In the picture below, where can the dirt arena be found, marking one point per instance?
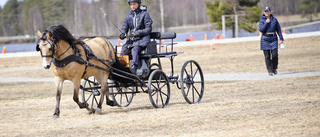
(279, 107)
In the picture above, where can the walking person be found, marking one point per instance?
(269, 27)
(139, 23)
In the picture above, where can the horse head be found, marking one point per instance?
(46, 46)
(52, 41)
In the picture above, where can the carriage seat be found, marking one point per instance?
(152, 46)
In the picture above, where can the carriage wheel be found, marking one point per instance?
(192, 82)
(158, 89)
(122, 96)
(91, 92)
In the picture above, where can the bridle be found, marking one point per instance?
(52, 48)
(52, 43)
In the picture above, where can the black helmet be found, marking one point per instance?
(139, 1)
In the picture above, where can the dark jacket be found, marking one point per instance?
(142, 26)
(269, 42)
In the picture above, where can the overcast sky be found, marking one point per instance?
(2, 2)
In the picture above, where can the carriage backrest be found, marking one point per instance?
(152, 46)
(166, 35)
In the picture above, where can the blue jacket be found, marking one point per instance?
(269, 42)
(142, 26)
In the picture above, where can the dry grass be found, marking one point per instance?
(283, 107)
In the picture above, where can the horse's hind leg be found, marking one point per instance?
(108, 100)
(103, 92)
(76, 87)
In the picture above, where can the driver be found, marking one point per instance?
(139, 23)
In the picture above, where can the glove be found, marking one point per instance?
(122, 36)
(134, 34)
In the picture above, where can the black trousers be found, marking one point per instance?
(271, 58)
(133, 51)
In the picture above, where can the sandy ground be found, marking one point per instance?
(278, 107)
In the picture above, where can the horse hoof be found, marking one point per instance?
(97, 111)
(111, 103)
(84, 105)
(91, 111)
(55, 116)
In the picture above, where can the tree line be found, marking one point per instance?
(84, 18)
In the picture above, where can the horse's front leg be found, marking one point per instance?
(59, 83)
(76, 87)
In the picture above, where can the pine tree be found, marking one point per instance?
(10, 18)
(309, 8)
(226, 7)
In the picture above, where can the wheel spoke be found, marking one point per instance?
(154, 86)
(187, 74)
(192, 94)
(163, 85)
(195, 89)
(161, 98)
(153, 92)
(88, 98)
(195, 74)
(95, 99)
(163, 93)
(127, 99)
(191, 69)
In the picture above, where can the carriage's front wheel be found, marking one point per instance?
(90, 90)
(192, 82)
(158, 89)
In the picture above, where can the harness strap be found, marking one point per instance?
(67, 60)
(78, 59)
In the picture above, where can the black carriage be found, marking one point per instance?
(149, 78)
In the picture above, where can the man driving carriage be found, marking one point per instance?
(139, 23)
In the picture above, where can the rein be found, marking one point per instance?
(63, 53)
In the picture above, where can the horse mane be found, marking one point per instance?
(59, 32)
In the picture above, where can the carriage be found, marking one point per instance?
(76, 59)
(149, 78)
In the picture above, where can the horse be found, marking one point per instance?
(57, 44)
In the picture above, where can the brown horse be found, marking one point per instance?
(56, 44)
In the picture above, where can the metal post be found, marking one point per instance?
(162, 15)
(237, 27)
(75, 12)
(223, 26)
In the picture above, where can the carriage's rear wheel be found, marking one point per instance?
(122, 96)
(91, 92)
(158, 89)
(192, 82)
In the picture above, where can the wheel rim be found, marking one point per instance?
(159, 89)
(192, 82)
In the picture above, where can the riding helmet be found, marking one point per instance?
(139, 1)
